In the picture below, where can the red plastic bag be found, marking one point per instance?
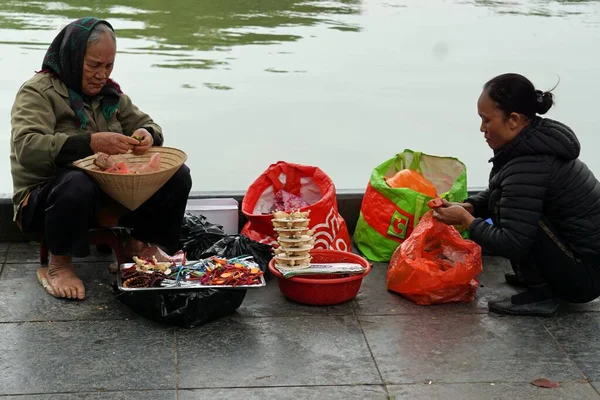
(435, 265)
(310, 185)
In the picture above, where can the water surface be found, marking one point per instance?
(339, 84)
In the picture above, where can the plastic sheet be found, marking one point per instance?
(435, 265)
(198, 234)
(410, 179)
(240, 245)
(184, 309)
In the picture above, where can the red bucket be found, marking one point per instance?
(322, 290)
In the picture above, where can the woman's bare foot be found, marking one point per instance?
(132, 248)
(140, 249)
(62, 279)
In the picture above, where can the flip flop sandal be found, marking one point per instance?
(43, 279)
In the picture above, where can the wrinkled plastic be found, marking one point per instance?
(389, 215)
(240, 245)
(198, 234)
(435, 265)
(288, 202)
(306, 182)
(185, 309)
(407, 178)
(190, 308)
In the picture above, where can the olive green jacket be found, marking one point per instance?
(42, 120)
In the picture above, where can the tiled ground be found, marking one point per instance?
(378, 346)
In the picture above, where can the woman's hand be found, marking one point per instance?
(466, 206)
(111, 143)
(453, 214)
(144, 141)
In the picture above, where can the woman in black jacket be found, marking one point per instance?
(544, 202)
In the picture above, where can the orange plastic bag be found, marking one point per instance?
(435, 265)
(407, 178)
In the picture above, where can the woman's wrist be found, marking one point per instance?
(467, 220)
(469, 207)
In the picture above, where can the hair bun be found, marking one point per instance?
(545, 100)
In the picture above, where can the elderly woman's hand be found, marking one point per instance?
(112, 143)
(145, 141)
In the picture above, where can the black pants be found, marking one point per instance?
(571, 277)
(63, 210)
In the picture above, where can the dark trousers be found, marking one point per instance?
(573, 278)
(63, 210)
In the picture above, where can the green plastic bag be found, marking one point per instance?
(388, 215)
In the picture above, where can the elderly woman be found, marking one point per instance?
(544, 201)
(69, 110)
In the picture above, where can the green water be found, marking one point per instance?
(241, 84)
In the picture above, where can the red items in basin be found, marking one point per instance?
(322, 290)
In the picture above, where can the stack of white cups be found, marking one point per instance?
(294, 238)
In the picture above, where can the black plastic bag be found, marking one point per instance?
(200, 239)
(186, 309)
(240, 245)
(198, 234)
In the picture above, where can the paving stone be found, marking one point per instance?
(3, 248)
(275, 352)
(567, 308)
(3, 253)
(289, 393)
(29, 253)
(23, 253)
(496, 391)
(579, 336)
(275, 342)
(464, 348)
(129, 395)
(374, 299)
(269, 302)
(68, 357)
(24, 299)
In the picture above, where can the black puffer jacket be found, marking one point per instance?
(537, 174)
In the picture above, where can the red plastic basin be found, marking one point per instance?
(323, 290)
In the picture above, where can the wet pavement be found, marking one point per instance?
(378, 346)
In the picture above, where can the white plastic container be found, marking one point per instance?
(223, 212)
